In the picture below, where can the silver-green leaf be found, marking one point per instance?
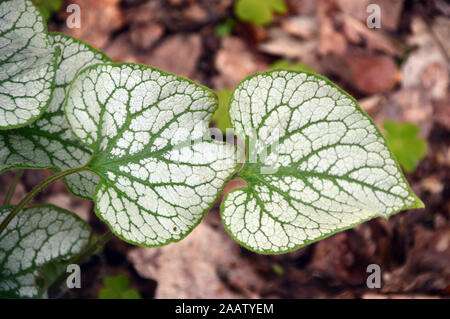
(36, 236)
(27, 64)
(48, 142)
(160, 171)
(317, 164)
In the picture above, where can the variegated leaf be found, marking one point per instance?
(147, 129)
(48, 142)
(35, 236)
(27, 64)
(317, 164)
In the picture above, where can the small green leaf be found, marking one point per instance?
(316, 164)
(48, 142)
(160, 171)
(405, 143)
(221, 117)
(27, 64)
(131, 294)
(36, 236)
(279, 6)
(117, 287)
(225, 27)
(258, 12)
(254, 11)
(118, 283)
(106, 293)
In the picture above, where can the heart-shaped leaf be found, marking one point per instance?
(48, 142)
(317, 164)
(27, 64)
(118, 287)
(34, 237)
(147, 129)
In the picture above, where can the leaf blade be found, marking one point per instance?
(37, 235)
(311, 183)
(48, 142)
(27, 63)
(146, 128)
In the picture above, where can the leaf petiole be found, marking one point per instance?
(12, 188)
(35, 191)
(92, 248)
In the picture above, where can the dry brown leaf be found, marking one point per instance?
(196, 13)
(442, 111)
(304, 7)
(99, 19)
(357, 32)
(435, 80)
(289, 47)
(409, 105)
(390, 11)
(304, 27)
(203, 265)
(235, 61)
(178, 54)
(343, 258)
(373, 73)
(441, 28)
(147, 12)
(357, 9)
(427, 52)
(372, 104)
(120, 49)
(426, 268)
(432, 184)
(330, 41)
(144, 36)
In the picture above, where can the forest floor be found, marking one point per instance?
(399, 72)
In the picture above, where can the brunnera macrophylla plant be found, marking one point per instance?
(136, 141)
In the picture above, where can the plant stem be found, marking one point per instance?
(12, 188)
(36, 190)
